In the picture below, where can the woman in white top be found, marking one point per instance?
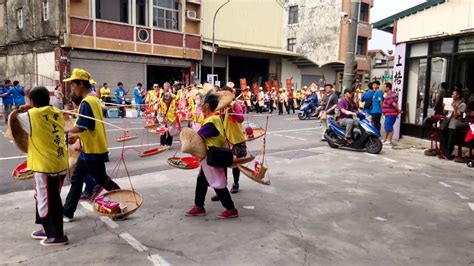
(450, 135)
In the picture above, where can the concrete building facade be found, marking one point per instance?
(133, 41)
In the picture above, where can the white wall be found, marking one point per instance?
(289, 70)
(450, 17)
(46, 65)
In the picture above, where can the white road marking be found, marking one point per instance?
(380, 219)
(290, 137)
(471, 205)
(291, 119)
(408, 167)
(86, 205)
(444, 184)
(278, 135)
(389, 160)
(109, 222)
(12, 158)
(427, 175)
(373, 155)
(127, 129)
(133, 242)
(301, 139)
(293, 130)
(461, 196)
(157, 260)
(249, 207)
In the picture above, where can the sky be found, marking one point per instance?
(381, 10)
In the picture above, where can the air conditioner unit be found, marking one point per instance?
(191, 14)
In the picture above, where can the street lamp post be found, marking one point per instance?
(214, 35)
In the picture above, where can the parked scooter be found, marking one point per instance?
(364, 137)
(307, 111)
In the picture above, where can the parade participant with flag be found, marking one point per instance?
(93, 138)
(47, 158)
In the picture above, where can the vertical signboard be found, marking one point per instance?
(399, 80)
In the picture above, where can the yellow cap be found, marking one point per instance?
(92, 81)
(79, 74)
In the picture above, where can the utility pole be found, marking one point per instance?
(351, 45)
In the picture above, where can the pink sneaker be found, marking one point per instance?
(196, 211)
(229, 214)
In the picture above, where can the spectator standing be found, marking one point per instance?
(120, 93)
(390, 111)
(105, 93)
(18, 94)
(5, 93)
(139, 95)
(58, 98)
(329, 105)
(367, 99)
(376, 111)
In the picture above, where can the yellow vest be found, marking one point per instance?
(170, 116)
(196, 119)
(218, 141)
(233, 130)
(47, 151)
(94, 141)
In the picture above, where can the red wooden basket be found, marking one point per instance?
(21, 172)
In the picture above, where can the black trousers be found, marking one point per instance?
(280, 108)
(97, 171)
(48, 191)
(376, 121)
(201, 191)
(166, 139)
(448, 141)
(270, 106)
(291, 106)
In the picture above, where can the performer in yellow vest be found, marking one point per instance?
(196, 109)
(167, 109)
(93, 138)
(48, 159)
(213, 134)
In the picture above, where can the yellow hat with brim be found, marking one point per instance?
(92, 81)
(79, 74)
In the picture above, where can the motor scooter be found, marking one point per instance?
(364, 136)
(307, 111)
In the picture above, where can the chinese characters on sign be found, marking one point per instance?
(399, 79)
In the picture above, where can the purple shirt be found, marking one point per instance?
(347, 105)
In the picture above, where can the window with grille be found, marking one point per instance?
(166, 14)
(291, 44)
(19, 18)
(293, 15)
(45, 10)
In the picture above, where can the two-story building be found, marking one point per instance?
(133, 41)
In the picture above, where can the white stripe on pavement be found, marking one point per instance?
(471, 205)
(157, 260)
(133, 242)
(461, 196)
(389, 160)
(444, 184)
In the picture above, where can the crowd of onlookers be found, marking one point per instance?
(13, 96)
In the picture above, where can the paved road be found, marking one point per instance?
(324, 207)
(287, 132)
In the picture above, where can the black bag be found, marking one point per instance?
(368, 103)
(219, 157)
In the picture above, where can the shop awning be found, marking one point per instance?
(386, 24)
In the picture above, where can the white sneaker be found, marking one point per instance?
(67, 219)
(386, 142)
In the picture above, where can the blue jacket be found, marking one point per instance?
(314, 99)
(9, 98)
(119, 93)
(138, 97)
(377, 102)
(367, 96)
(18, 94)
